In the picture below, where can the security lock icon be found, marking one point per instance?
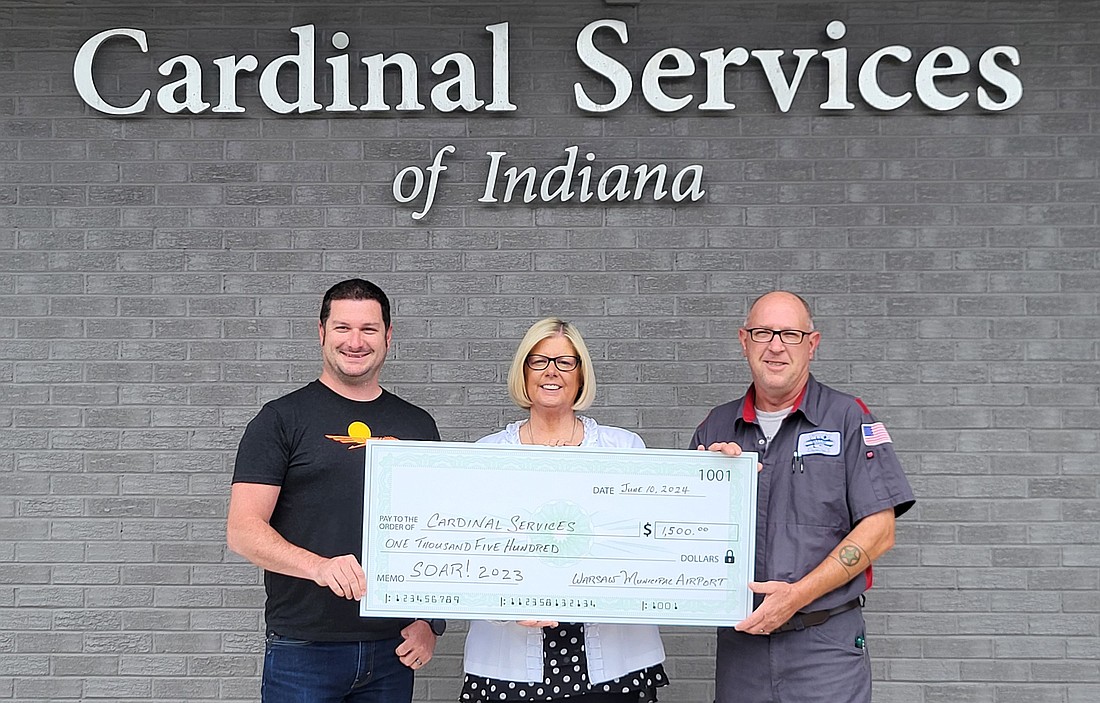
(729, 556)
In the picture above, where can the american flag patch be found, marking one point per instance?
(875, 434)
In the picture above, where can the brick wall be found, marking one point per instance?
(160, 275)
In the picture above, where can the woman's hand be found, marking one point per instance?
(538, 624)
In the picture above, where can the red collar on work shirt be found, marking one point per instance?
(748, 410)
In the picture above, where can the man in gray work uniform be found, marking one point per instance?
(829, 491)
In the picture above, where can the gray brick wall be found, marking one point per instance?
(159, 279)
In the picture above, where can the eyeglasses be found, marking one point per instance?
(763, 335)
(538, 362)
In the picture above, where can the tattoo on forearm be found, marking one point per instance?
(849, 555)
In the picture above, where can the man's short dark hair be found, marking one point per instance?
(355, 289)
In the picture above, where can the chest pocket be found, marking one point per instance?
(818, 493)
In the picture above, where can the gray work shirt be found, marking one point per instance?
(829, 466)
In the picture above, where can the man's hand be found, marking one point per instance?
(729, 449)
(418, 647)
(847, 561)
(781, 602)
(342, 575)
(248, 532)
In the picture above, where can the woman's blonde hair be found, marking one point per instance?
(544, 329)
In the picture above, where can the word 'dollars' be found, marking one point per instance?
(670, 80)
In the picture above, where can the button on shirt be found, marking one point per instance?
(821, 476)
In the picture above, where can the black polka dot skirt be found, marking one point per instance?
(565, 675)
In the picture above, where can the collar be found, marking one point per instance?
(590, 430)
(806, 402)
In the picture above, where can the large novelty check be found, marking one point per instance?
(477, 531)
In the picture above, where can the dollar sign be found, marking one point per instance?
(648, 529)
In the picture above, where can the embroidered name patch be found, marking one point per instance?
(875, 434)
(820, 442)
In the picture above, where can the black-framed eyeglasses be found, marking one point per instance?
(764, 335)
(538, 362)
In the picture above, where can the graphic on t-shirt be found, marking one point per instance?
(357, 436)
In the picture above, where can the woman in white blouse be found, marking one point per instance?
(552, 378)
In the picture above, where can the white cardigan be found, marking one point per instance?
(510, 652)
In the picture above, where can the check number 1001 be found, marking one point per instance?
(714, 475)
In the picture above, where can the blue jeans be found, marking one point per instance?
(297, 671)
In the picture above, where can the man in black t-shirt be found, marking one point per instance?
(296, 510)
